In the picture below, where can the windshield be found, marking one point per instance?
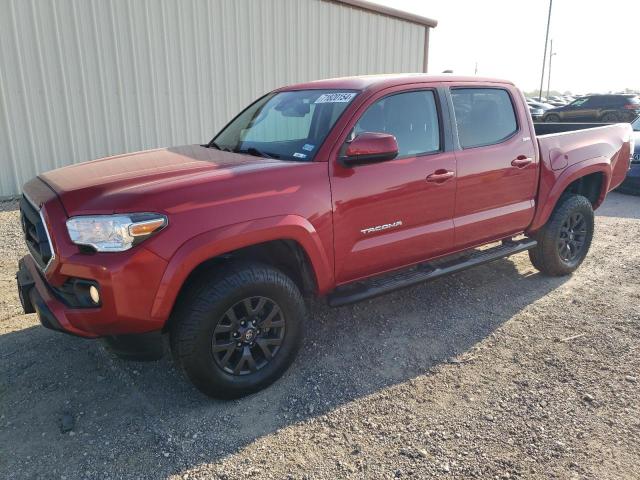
(636, 125)
(286, 125)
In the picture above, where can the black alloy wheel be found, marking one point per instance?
(248, 336)
(572, 238)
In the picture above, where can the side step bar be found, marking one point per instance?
(422, 272)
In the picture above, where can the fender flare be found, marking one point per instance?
(226, 239)
(568, 176)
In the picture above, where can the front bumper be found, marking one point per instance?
(127, 295)
(37, 297)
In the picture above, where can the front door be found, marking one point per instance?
(397, 212)
(580, 109)
(497, 165)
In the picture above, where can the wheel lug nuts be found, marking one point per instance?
(239, 344)
(236, 334)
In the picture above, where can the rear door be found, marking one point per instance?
(588, 111)
(497, 164)
(398, 212)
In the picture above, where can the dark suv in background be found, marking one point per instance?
(597, 108)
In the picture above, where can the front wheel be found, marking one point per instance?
(552, 118)
(563, 242)
(238, 332)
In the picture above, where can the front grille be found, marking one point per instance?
(35, 233)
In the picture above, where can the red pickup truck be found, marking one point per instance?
(344, 189)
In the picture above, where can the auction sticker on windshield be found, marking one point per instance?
(337, 97)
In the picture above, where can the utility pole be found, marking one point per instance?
(551, 54)
(544, 57)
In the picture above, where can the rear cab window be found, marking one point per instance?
(484, 116)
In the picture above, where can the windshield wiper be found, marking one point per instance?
(257, 153)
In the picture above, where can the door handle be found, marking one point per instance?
(440, 176)
(521, 161)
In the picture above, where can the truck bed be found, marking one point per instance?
(565, 144)
(569, 150)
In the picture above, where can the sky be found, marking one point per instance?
(597, 42)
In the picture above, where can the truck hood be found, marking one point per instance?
(112, 184)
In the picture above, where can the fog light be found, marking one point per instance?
(94, 294)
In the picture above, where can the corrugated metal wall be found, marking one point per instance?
(82, 79)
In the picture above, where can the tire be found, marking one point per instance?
(552, 117)
(610, 118)
(210, 314)
(551, 256)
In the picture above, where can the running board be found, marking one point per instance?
(358, 291)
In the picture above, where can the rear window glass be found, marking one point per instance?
(484, 116)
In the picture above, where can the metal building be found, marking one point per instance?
(83, 79)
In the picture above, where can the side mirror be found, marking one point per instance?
(370, 147)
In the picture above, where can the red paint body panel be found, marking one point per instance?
(495, 198)
(603, 149)
(352, 223)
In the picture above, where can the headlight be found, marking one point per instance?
(114, 233)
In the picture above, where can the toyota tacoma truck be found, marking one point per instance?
(343, 189)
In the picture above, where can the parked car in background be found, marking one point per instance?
(632, 183)
(597, 108)
(536, 113)
(536, 104)
(557, 101)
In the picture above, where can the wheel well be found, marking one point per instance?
(589, 186)
(286, 255)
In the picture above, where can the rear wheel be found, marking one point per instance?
(563, 242)
(239, 332)
(610, 117)
(552, 117)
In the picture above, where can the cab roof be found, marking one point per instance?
(378, 82)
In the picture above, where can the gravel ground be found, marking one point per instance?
(497, 372)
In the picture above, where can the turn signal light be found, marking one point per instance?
(145, 228)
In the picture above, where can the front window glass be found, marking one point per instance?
(286, 125)
(636, 124)
(579, 102)
(412, 117)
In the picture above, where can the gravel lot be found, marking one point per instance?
(497, 372)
